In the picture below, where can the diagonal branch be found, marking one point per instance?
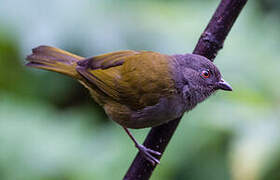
(213, 37)
(210, 42)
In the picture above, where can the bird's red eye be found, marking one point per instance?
(206, 73)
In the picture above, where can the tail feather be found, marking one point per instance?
(54, 59)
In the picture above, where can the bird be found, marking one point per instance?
(137, 89)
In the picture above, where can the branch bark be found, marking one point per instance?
(210, 42)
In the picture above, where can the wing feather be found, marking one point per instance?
(133, 78)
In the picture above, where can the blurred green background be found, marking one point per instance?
(50, 128)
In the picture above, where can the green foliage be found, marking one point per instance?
(50, 129)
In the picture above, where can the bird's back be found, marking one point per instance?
(132, 91)
(139, 81)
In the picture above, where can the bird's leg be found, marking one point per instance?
(147, 153)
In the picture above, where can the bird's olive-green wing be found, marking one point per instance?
(108, 60)
(136, 79)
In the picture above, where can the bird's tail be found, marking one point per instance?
(54, 59)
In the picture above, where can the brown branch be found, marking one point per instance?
(210, 42)
(212, 39)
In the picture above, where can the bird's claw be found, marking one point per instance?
(147, 153)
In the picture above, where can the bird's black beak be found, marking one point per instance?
(223, 85)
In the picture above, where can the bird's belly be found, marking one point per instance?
(167, 109)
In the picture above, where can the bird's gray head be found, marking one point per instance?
(199, 78)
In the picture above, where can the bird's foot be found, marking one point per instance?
(148, 154)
